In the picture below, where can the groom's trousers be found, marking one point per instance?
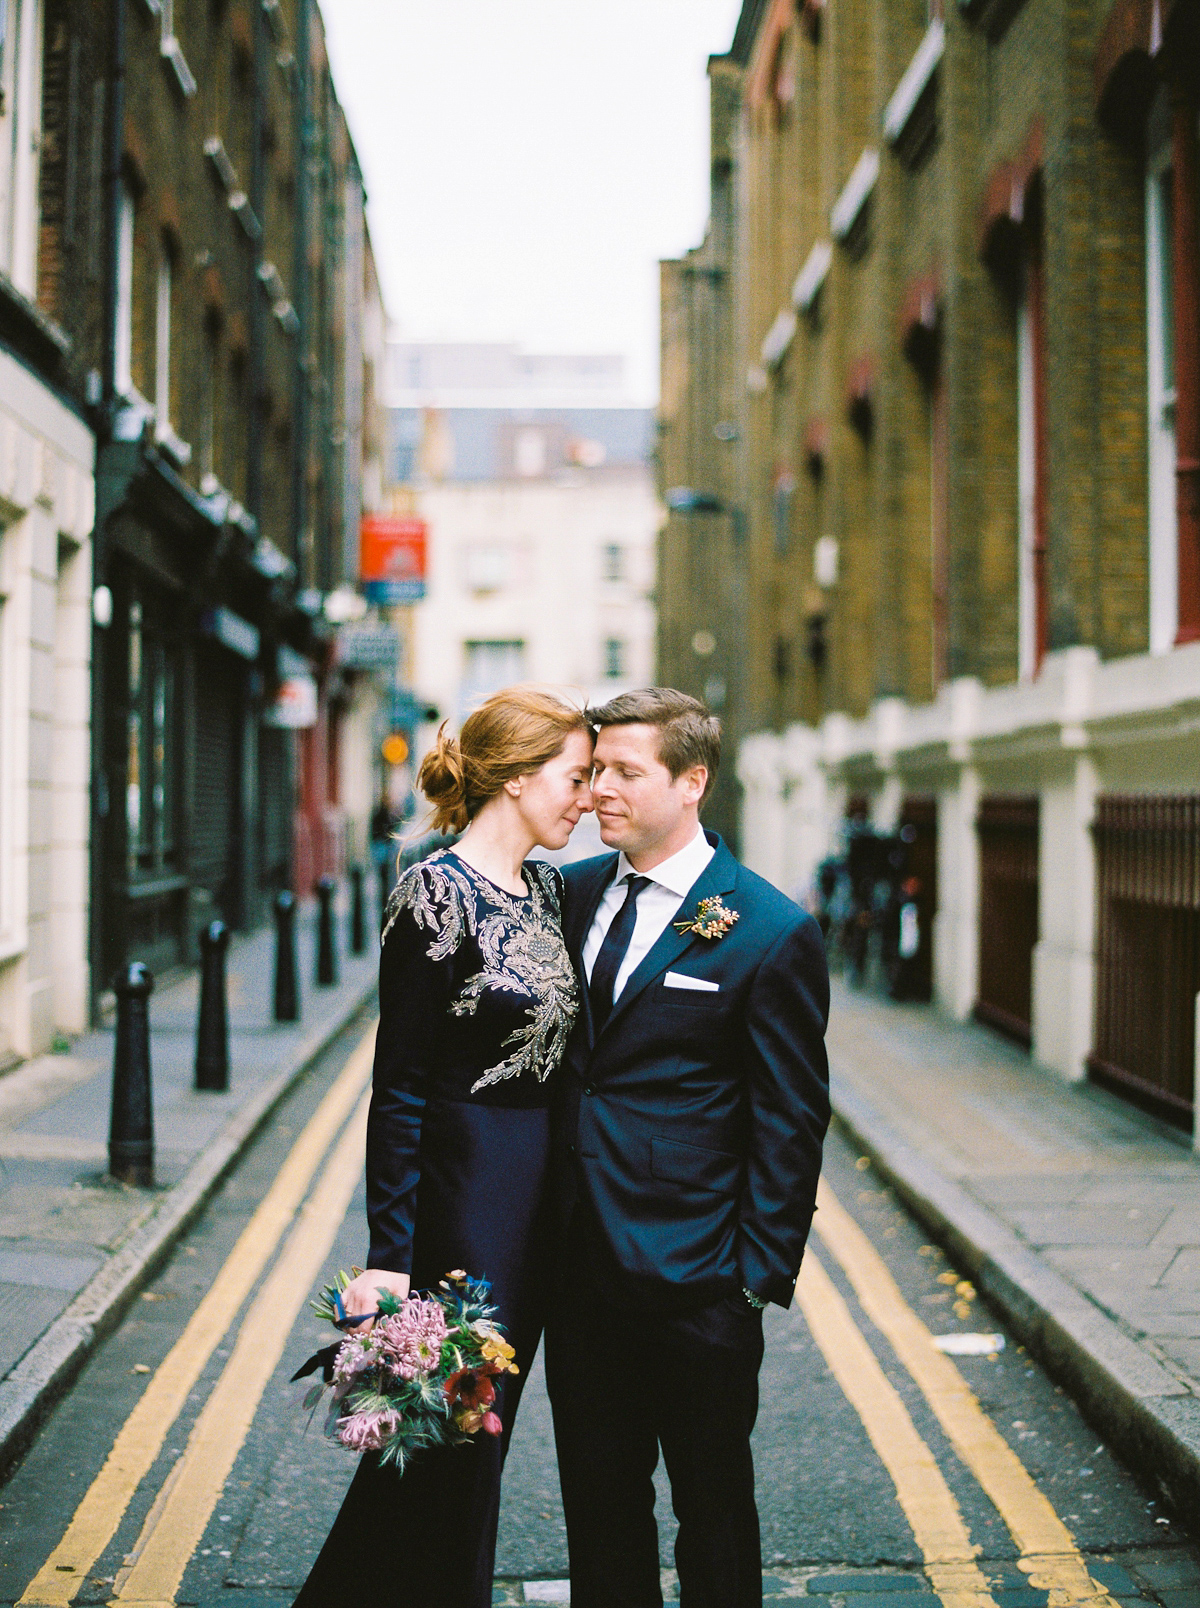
(623, 1381)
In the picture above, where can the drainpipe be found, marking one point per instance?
(301, 405)
(112, 195)
(109, 491)
(258, 175)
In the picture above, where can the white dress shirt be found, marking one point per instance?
(657, 905)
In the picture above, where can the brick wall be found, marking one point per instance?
(1018, 93)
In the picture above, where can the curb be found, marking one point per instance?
(1142, 1410)
(51, 1364)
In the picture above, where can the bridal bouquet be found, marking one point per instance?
(425, 1375)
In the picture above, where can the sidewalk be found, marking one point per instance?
(1078, 1219)
(74, 1245)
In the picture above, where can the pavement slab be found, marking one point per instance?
(1078, 1217)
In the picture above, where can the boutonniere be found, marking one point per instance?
(712, 920)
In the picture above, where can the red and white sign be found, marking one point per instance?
(392, 553)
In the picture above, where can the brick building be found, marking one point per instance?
(965, 453)
(202, 244)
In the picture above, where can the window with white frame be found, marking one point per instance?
(612, 562)
(208, 413)
(614, 658)
(123, 332)
(485, 566)
(20, 119)
(162, 341)
(488, 666)
(1160, 376)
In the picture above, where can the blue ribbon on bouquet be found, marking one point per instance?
(325, 1358)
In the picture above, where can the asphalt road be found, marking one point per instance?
(165, 1476)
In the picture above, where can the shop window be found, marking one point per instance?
(152, 749)
(1160, 375)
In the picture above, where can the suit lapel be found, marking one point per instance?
(718, 876)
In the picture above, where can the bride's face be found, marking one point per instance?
(553, 798)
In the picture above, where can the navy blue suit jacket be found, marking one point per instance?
(693, 1122)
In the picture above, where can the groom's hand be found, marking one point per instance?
(362, 1293)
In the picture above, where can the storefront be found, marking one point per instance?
(196, 777)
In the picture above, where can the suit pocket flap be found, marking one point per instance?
(692, 1164)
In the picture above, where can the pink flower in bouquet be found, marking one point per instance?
(410, 1341)
(367, 1432)
(355, 1356)
(491, 1424)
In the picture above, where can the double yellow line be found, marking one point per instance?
(1048, 1554)
(153, 1571)
(184, 1505)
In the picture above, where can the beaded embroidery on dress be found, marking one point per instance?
(520, 945)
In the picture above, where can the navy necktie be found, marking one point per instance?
(612, 952)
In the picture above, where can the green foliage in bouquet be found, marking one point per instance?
(423, 1375)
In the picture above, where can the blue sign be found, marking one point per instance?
(394, 591)
(405, 710)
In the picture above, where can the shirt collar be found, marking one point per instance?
(679, 872)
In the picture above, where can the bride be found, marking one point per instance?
(477, 996)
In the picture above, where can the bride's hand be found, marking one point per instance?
(362, 1293)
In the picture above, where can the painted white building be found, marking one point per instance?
(538, 493)
(47, 455)
(1108, 756)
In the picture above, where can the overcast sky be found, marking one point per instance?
(528, 161)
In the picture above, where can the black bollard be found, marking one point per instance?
(385, 889)
(212, 1025)
(326, 949)
(358, 915)
(131, 1126)
(287, 984)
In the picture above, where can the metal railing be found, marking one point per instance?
(1147, 951)
(1008, 913)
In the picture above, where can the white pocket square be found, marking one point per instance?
(681, 980)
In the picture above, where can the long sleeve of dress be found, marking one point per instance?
(414, 993)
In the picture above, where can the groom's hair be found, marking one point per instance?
(687, 733)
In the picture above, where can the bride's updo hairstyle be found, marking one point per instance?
(515, 732)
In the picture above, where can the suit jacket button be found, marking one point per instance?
(588, 1089)
(570, 1150)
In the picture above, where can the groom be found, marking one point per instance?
(687, 1131)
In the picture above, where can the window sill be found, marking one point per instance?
(179, 452)
(910, 119)
(172, 53)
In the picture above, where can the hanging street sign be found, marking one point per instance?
(392, 556)
(367, 647)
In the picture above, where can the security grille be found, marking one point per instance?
(1008, 913)
(1148, 951)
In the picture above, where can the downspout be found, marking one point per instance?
(109, 492)
(257, 299)
(301, 410)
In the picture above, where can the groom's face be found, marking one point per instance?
(639, 805)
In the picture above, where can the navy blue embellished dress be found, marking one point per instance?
(477, 996)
